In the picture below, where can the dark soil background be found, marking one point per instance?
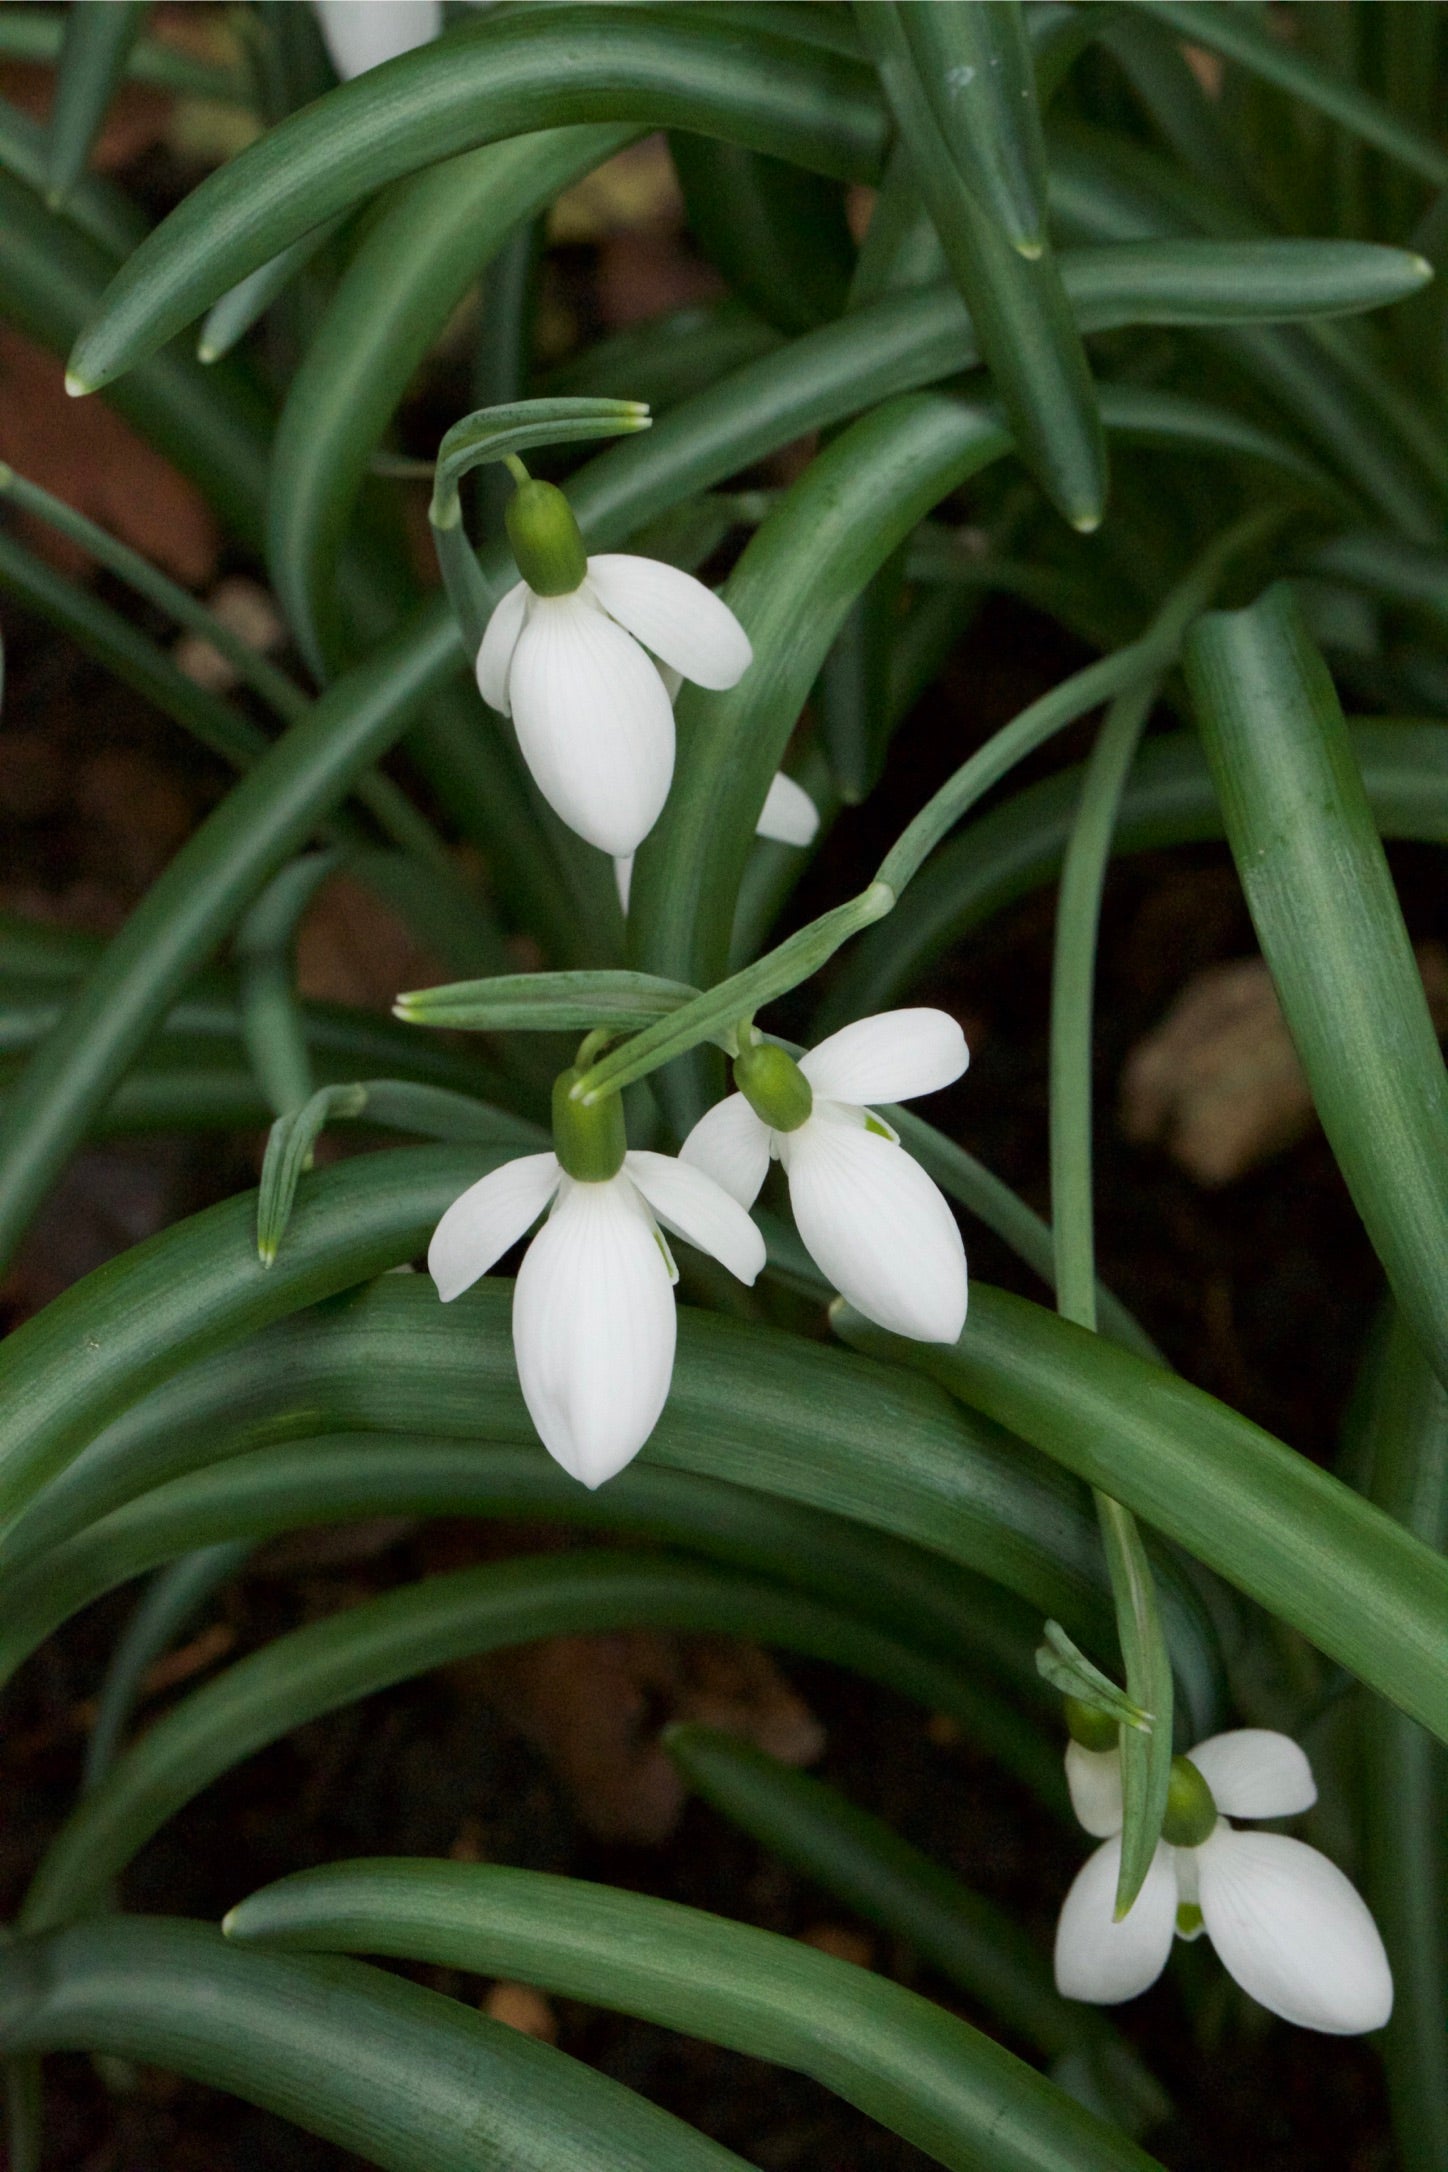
(1260, 1290)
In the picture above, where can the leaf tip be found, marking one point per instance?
(76, 385)
(1086, 523)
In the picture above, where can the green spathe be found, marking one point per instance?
(590, 1142)
(774, 1086)
(546, 540)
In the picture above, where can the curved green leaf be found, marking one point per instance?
(333, 1662)
(779, 1414)
(1328, 918)
(535, 69)
(1027, 332)
(545, 1002)
(1402, 1423)
(407, 2079)
(916, 1597)
(865, 1863)
(1296, 1540)
(778, 233)
(94, 54)
(973, 64)
(918, 2070)
(170, 1604)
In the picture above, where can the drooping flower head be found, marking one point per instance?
(569, 655)
(593, 1305)
(871, 1219)
(1286, 1923)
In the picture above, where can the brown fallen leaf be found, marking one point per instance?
(520, 2007)
(82, 451)
(247, 610)
(594, 1705)
(351, 948)
(1218, 1085)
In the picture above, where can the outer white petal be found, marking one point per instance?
(483, 1221)
(875, 1225)
(789, 816)
(360, 34)
(676, 617)
(623, 878)
(890, 1057)
(1294, 1932)
(1094, 1778)
(1103, 1961)
(593, 1328)
(500, 638)
(593, 721)
(1254, 1772)
(731, 1145)
(695, 1207)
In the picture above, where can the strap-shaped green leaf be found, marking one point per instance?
(402, 2077)
(536, 69)
(1327, 916)
(1025, 327)
(1296, 1540)
(927, 1603)
(779, 1414)
(94, 54)
(331, 1663)
(927, 2076)
(973, 64)
(865, 1863)
(1399, 1425)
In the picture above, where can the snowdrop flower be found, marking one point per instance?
(1291, 1929)
(361, 34)
(593, 1305)
(568, 654)
(870, 1217)
(788, 817)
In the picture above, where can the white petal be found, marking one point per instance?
(594, 1327)
(789, 816)
(890, 1057)
(875, 1225)
(593, 721)
(483, 1221)
(1254, 1772)
(500, 638)
(676, 617)
(1094, 1778)
(731, 1145)
(1104, 1961)
(696, 1208)
(1294, 1932)
(623, 877)
(360, 34)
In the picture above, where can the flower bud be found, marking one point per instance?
(1090, 1726)
(774, 1086)
(1191, 1809)
(590, 1142)
(546, 540)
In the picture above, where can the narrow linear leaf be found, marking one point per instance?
(405, 1632)
(546, 1002)
(909, 2064)
(1298, 1541)
(406, 2079)
(1328, 919)
(973, 61)
(95, 51)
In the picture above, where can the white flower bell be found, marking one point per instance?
(593, 1305)
(361, 34)
(788, 817)
(568, 654)
(871, 1219)
(1292, 1930)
